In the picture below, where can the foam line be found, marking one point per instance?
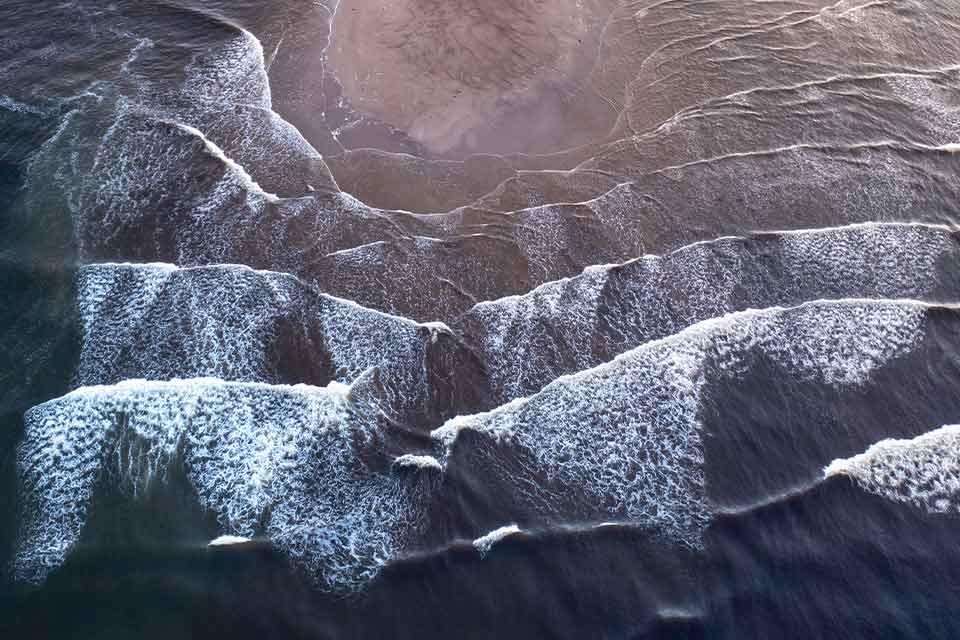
(923, 471)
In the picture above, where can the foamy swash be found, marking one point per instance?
(190, 179)
(275, 461)
(923, 471)
(573, 324)
(625, 440)
(159, 322)
(308, 468)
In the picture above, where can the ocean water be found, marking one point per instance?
(462, 319)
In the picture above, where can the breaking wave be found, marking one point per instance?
(287, 463)
(625, 440)
(157, 321)
(922, 471)
(406, 292)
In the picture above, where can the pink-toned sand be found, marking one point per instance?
(474, 75)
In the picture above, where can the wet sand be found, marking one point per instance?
(474, 77)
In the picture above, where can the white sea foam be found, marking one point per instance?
(159, 321)
(273, 461)
(577, 323)
(233, 73)
(627, 434)
(138, 164)
(428, 463)
(517, 332)
(226, 541)
(146, 158)
(923, 471)
(484, 543)
(218, 153)
(10, 104)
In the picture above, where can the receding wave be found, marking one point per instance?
(152, 188)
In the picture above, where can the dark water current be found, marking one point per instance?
(476, 319)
